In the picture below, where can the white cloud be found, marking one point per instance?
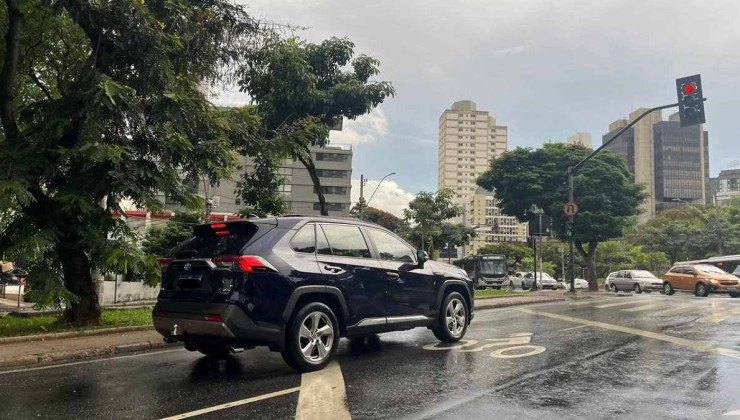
(365, 129)
(511, 51)
(389, 197)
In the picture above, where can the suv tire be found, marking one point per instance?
(637, 289)
(734, 294)
(311, 338)
(455, 309)
(614, 288)
(668, 289)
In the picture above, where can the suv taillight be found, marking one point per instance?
(165, 262)
(247, 263)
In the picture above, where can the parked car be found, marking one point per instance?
(524, 281)
(298, 284)
(609, 280)
(580, 284)
(702, 279)
(637, 281)
(15, 276)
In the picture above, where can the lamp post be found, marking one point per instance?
(376, 188)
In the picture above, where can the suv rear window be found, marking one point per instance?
(206, 244)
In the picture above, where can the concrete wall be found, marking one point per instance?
(126, 292)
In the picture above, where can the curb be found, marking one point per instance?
(494, 305)
(62, 356)
(73, 334)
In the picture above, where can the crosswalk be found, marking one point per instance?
(708, 310)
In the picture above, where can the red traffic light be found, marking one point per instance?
(689, 88)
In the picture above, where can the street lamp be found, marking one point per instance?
(376, 188)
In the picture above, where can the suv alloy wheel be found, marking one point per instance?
(453, 318)
(312, 338)
(668, 289)
(701, 290)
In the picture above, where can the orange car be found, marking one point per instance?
(702, 279)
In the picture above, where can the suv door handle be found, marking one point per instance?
(393, 276)
(333, 269)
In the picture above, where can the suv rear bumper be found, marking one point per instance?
(219, 322)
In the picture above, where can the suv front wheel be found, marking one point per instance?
(453, 318)
(311, 338)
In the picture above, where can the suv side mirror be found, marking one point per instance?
(421, 257)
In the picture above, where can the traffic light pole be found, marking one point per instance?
(571, 178)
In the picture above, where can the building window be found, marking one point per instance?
(333, 157)
(331, 173)
(332, 190)
(330, 206)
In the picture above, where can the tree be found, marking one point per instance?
(515, 253)
(454, 234)
(158, 241)
(427, 211)
(691, 233)
(304, 89)
(101, 101)
(382, 218)
(608, 200)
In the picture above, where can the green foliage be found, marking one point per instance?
(607, 199)
(106, 102)
(303, 89)
(692, 233)
(515, 253)
(382, 218)
(12, 325)
(427, 212)
(158, 240)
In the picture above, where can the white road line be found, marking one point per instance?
(614, 305)
(681, 310)
(700, 346)
(718, 317)
(643, 307)
(233, 404)
(589, 302)
(323, 395)
(574, 328)
(732, 413)
(84, 362)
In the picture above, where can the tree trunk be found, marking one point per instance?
(9, 70)
(590, 258)
(85, 310)
(308, 163)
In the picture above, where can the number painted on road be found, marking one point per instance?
(515, 346)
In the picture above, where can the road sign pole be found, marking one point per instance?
(572, 262)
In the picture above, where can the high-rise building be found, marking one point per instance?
(334, 168)
(468, 140)
(670, 161)
(581, 139)
(727, 186)
(491, 226)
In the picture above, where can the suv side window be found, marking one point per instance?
(304, 240)
(346, 241)
(390, 248)
(677, 270)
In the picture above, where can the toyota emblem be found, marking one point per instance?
(187, 266)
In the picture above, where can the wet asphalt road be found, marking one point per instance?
(647, 356)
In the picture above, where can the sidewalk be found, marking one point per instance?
(75, 348)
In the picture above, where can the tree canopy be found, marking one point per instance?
(302, 90)
(382, 218)
(101, 101)
(427, 213)
(607, 198)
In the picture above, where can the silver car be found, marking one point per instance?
(636, 280)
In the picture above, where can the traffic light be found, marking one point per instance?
(690, 100)
(569, 229)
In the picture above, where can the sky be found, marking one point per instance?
(546, 69)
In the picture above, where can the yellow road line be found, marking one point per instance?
(323, 395)
(233, 404)
(701, 346)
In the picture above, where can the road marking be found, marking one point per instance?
(574, 328)
(732, 413)
(681, 310)
(84, 362)
(322, 395)
(459, 344)
(589, 302)
(233, 404)
(642, 308)
(532, 350)
(692, 344)
(614, 305)
(720, 316)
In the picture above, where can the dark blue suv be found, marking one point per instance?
(298, 284)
